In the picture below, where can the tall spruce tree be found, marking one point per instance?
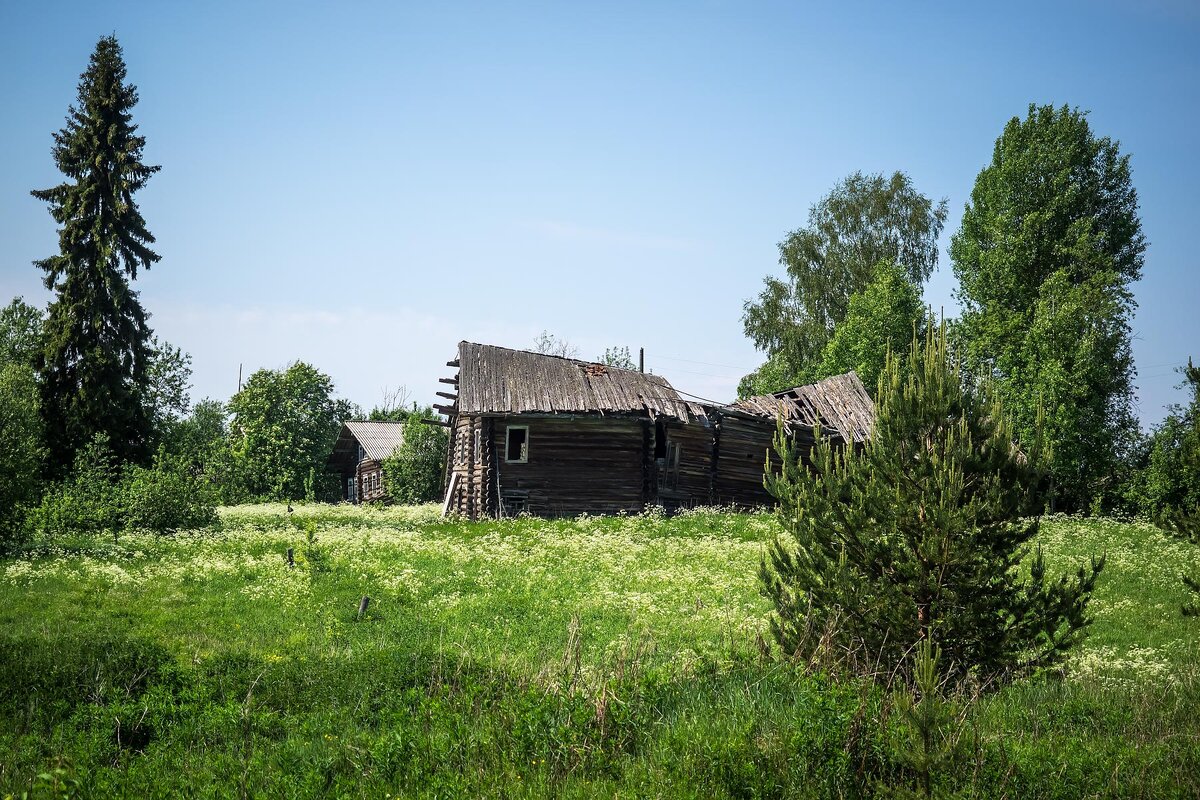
(921, 535)
(93, 370)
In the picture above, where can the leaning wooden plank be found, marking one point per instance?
(450, 490)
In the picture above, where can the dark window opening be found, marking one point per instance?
(660, 439)
(516, 445)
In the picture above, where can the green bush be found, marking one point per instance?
(101, 496)
(1170, 483)
(166, 498)
(87, 502)
(414, 472)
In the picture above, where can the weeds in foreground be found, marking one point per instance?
(534, 658)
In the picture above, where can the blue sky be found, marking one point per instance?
(362, 185)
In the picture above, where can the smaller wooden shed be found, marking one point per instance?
(358, 455)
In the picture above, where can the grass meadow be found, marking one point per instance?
(601, 656)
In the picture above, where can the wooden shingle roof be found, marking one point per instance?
(497, 380)
(840, 404)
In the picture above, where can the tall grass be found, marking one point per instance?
(599, 656)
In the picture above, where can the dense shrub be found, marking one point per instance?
(89, 501)
(1171, 481)
(166, 498)
(415, 471)
(200, 444)
(101, 496)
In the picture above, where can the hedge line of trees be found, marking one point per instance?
(270, 441)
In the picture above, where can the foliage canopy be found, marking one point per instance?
(414, 473)
(1049, 245)
(865, 219)
(1171, 479)
(283, 428)
(880, 319)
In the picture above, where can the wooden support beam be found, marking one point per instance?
(447, 395)
(453, 363)
(443, 423)
(447, 410)
(450, 490)
(448, 380)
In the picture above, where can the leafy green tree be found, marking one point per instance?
(921, 535)
(93, 372)
(1170, 483)
(618, 357)
(200, 444)
(414, 473)
(1169, 486)
(1049, 245)
(20, 420)
(283, 429)
(169, 375)
(865, 219)
(20, 333)
(880, 319)
(21, 444)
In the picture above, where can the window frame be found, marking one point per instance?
(524, 457)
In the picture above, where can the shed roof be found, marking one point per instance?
(839, 404)
(377, 439)
(495, 380)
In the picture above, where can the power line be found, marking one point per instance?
(705, 363)
(706, 374)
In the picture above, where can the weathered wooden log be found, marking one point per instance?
(362, 606)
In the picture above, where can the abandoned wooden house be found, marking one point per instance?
(554, 436)
(358, 455)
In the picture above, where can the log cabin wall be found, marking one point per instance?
(695, 479)
(466, 473)
(370, 481)
(741, 457)
(574, 465)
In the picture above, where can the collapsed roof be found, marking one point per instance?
(839, 404)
